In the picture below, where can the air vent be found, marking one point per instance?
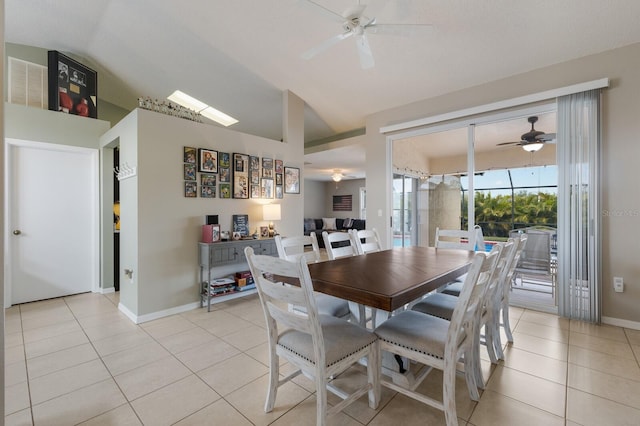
(27, 84)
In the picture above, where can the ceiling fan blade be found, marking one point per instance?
(364, 51)
(323, 10)
(398, 29)
(547, 137)
(325, 45)
(509, 143)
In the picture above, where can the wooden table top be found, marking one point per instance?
(391, 278)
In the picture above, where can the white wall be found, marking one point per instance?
(620, 153)
(160, 228)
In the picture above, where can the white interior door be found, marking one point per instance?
(52, 213)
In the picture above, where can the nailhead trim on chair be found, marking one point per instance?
(411, 348)
(335, 362)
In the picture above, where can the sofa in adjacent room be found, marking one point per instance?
(316, 226)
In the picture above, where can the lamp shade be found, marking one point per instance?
(532, 147)
(271, 212)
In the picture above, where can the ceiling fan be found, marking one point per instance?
(337, 175)
(354, 23)
(533, 140)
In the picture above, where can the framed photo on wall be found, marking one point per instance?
(189, 155)
(191, 189)
(207, 179)
(267, 187)
(73, 87)
(189, 171)
(291, 180)
(279, 193)
(208, 161)
(279, 166)
(240, 175)
(225, 190)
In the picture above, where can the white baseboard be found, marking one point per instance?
(634, 325)
(159, 314)
(107, 290)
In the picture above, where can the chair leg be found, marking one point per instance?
(449, 392)
(373, 374)
(470, 376)
(274, 377)
(505, 322)
(489, 340)
(321, 399)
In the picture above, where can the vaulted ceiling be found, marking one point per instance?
(239, 56)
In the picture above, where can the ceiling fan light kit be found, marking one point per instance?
(533, 140)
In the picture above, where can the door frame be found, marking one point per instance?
(93, 154)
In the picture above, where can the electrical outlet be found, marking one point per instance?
(618, 284)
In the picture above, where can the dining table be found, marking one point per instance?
(390, 279)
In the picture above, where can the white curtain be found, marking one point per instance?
(579, 242)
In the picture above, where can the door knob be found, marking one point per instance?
(17, 232)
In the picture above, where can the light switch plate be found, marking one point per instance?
(618, 284)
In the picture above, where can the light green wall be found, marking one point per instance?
(314, 202)
(620, 153)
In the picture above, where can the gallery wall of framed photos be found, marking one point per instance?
(215, 174)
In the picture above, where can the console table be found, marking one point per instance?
(212, 255)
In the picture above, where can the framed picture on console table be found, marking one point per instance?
(73, 87)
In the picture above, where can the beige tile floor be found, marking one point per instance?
(78, 360)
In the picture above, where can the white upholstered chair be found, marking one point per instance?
(453, 239)
(343, 244)
(504, 301)
(367, 240)
(294, 248)
(443, 305)
(339, 244)
(320, 346)
(438, 343)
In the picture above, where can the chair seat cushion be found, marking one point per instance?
(329, 305)
(341, 339)
(416, 331)
(438, 304)
(333, 306)
(454, 289)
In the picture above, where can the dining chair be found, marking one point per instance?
(339, 245)
(367, 240)
(297, 247)
(443, 306)
(506, 291)
(320, 346)
(453, 239)
(438, 343)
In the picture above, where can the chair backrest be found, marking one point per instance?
(520, 241)
(345, 247)
(466, 313)
(536, 255)
(453, 239)
(494, 291)
(480, 245)
(292, 248)
(275, 296)
(371, 240)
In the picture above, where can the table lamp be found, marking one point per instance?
(271, 212)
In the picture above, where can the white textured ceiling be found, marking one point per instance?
(240, 55)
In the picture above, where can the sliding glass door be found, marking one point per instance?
(405, 213)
